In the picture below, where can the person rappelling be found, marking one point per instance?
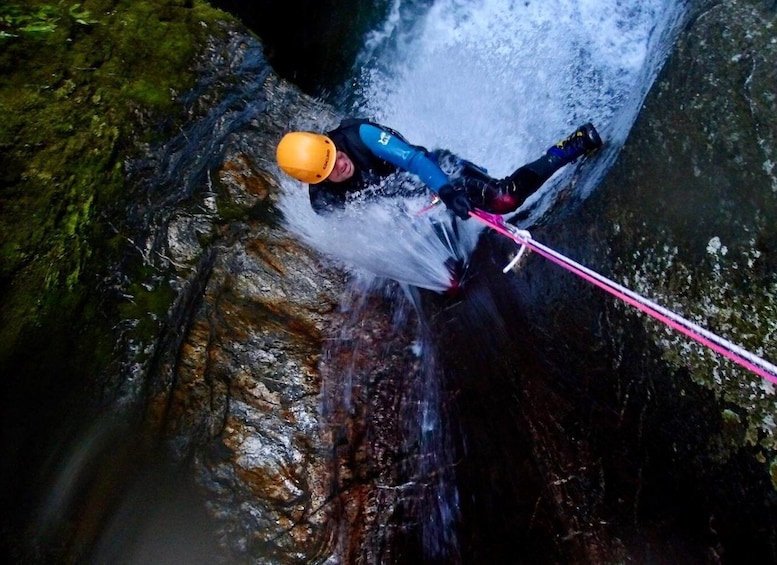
(359, 153)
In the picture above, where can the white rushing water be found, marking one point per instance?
(496, 81)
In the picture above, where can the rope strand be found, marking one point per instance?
(718, 344)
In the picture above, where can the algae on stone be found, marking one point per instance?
(80, 84)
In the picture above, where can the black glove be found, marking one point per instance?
(456, 200)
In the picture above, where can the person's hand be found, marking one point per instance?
(456, 200)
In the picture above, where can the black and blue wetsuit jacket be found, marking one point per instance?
(376, 152)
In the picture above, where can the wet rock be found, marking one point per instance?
(266, 378)
(245, 397)
(708, 137)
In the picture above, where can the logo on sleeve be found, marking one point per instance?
(384, 138)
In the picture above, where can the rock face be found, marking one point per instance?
(700, 227)
(244, 390)
(712, 199)
(696, 188)
(234, 383)
(265, 377)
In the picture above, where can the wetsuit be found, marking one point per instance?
(378, 151)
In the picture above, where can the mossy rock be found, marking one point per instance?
(77, 77)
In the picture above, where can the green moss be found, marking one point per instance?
(30, 20)
(731, 419)
(149, 306)
(75, 79)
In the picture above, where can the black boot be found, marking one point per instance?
(529, 177)
(585, 140)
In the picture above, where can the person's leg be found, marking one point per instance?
(512, 191)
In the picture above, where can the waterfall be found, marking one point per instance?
(497, 82)
(420, 506)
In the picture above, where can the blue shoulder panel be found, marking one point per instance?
(403, 155)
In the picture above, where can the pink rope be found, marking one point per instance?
(733, 352)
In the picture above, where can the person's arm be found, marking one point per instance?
(403, 155)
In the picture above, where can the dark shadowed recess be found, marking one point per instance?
(312, 43)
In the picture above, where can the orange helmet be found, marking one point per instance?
(308, 157)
